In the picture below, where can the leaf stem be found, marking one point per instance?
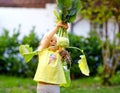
(76, 48)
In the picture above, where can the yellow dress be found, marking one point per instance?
(50, 68)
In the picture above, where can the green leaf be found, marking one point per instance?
(29, 56)
(64, 4)
(27, 52)
(60, 4)
(72, 18)
(72, 12)
(25, 49)
(83, 65)
(58, 16)
(77, 5)
(69, 9)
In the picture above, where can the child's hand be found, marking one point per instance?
(64, 25)
(66, 57)
(64, 54)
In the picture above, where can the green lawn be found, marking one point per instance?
(9, 84)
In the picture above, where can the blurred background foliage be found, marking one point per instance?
(103, 54)
(12, 63)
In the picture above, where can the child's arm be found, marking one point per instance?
(47, 38)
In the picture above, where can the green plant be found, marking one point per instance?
(11, 62)
(67, 11)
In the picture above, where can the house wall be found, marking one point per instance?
(42, 18)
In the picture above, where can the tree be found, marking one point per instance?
(100, 12)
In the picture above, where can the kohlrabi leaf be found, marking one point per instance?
(83, 65)
(25, 49)
(72, 18)
(29, 56)
(77, 4)
(27, 52)
(69, 9)
(58, 16)
(64, 4)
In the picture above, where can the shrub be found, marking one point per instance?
(11, 62)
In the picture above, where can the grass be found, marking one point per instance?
(9, 84)
(91, 85)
